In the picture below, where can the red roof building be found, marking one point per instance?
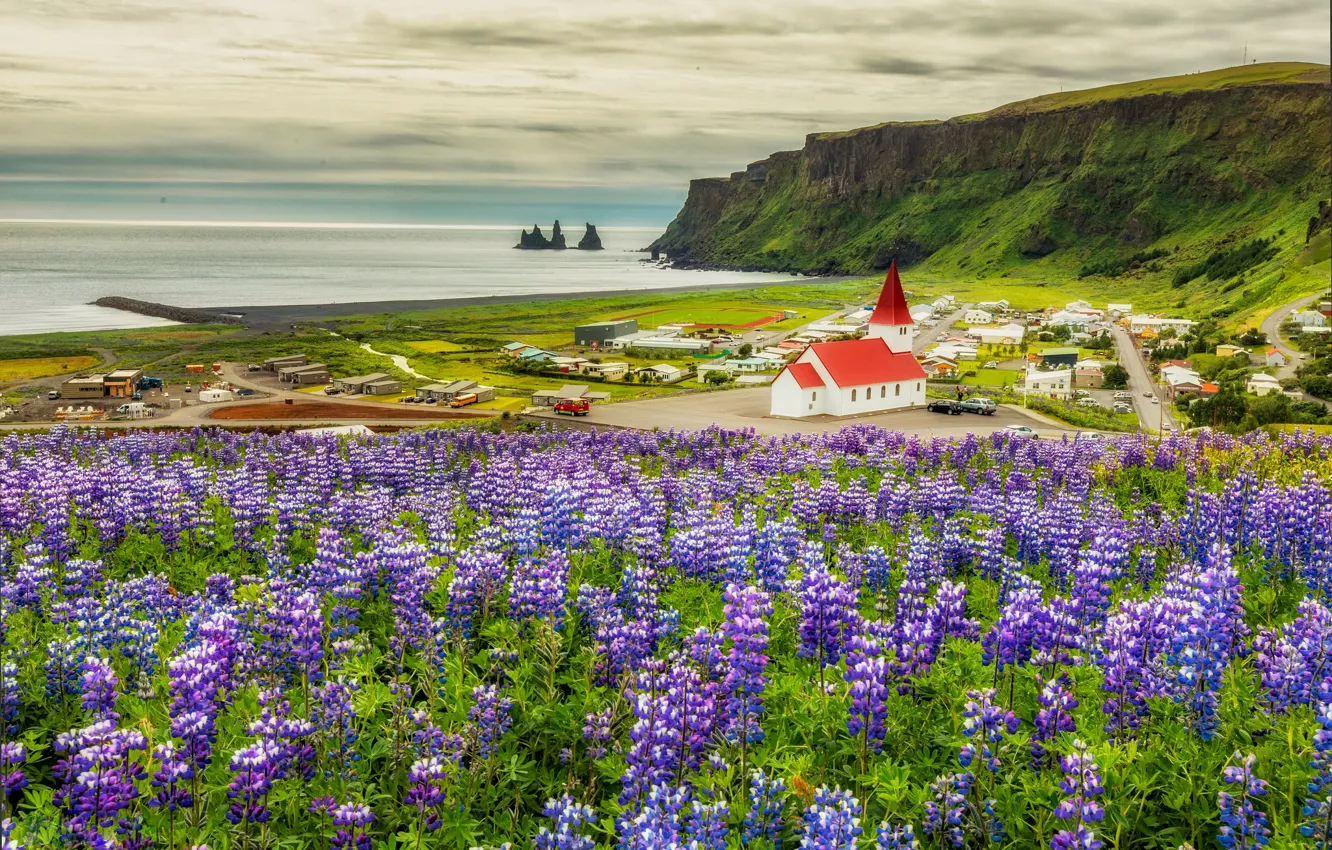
(857, 377)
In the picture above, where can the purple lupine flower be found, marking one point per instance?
(1081, 785)
(425, 790)
(254, 768)
(649, 763)
(896, 837)
(7, 839)
(654, 825)
(352, 821)
(827, 618)
(597, 731)
(488, 719)
(944, 813)
(832, 822)
(13, 756)
(539, 588)
(987, 723)
(767, 798)
(171, 779)
(867, 676)
(99, 685)
(705, 826)
(335, 716)
(1054, 718)
(569, 817)
(1317, 809)
(747, 633)
(1244, 825)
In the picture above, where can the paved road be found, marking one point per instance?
(921, 342)
(1150, 416)
(1272, 327)
(748, 408)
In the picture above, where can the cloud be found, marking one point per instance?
(625, 93)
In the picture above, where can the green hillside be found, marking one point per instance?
(1124, 190)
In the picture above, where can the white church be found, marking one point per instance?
(858, 376)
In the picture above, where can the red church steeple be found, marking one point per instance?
(892, 308)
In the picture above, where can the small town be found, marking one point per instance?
(1098, 368)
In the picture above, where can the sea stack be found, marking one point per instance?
(590, 241)
(534, 240)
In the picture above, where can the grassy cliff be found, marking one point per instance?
(1125, 188)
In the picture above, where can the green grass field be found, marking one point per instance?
(990, 378)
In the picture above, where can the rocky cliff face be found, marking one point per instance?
(975, 194)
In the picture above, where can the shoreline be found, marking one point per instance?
(286, 314)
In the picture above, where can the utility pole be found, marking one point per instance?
(1246, 54)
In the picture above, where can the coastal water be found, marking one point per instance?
(50, 271)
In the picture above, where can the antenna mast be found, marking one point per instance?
(1246, 54)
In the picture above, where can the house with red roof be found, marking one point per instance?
(857, 376)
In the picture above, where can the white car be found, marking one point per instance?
(1155, 400)
(1123, 395)
(1021, 431)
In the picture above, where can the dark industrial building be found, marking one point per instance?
(600, 334)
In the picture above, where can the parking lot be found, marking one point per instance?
(748, 408)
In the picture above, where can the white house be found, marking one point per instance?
(1310, 318)
(1176, 375)
(1275, 357)
(858, 376)
(921, 312)
(955, 350)
(994, 306)
(835, 328)
(1122, 309)
(664, 372)
(944, 302)
(1009, 334)
(1261, 383)
(1140, 323)
(977, 316)
(1057, 382)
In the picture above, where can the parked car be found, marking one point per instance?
(944, 405)
(332, 391)
(244, 392)
(53, 394)
(991, 364)
(137, 397)
(411, 399)
(1081, 394)
(1155, 400)
(1087, 402)
(1021, 431)
(1123, 395)
(432, 400)
(254, 367)
(983, 406)
(1123, 408)
(573, 407)
(1147, 395)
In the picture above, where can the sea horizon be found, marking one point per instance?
(52, 269)
(331, 225)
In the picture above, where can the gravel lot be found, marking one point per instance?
(748, 408)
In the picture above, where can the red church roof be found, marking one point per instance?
(892, 307)
(806, 375)
(857, 362)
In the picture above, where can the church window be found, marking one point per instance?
(853, 395)
(814, 396)
(883, 391)
(897, 389)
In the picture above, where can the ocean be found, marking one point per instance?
(49, 271)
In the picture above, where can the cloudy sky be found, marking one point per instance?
(621, 100)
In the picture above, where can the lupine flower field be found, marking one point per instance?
(575, 640)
